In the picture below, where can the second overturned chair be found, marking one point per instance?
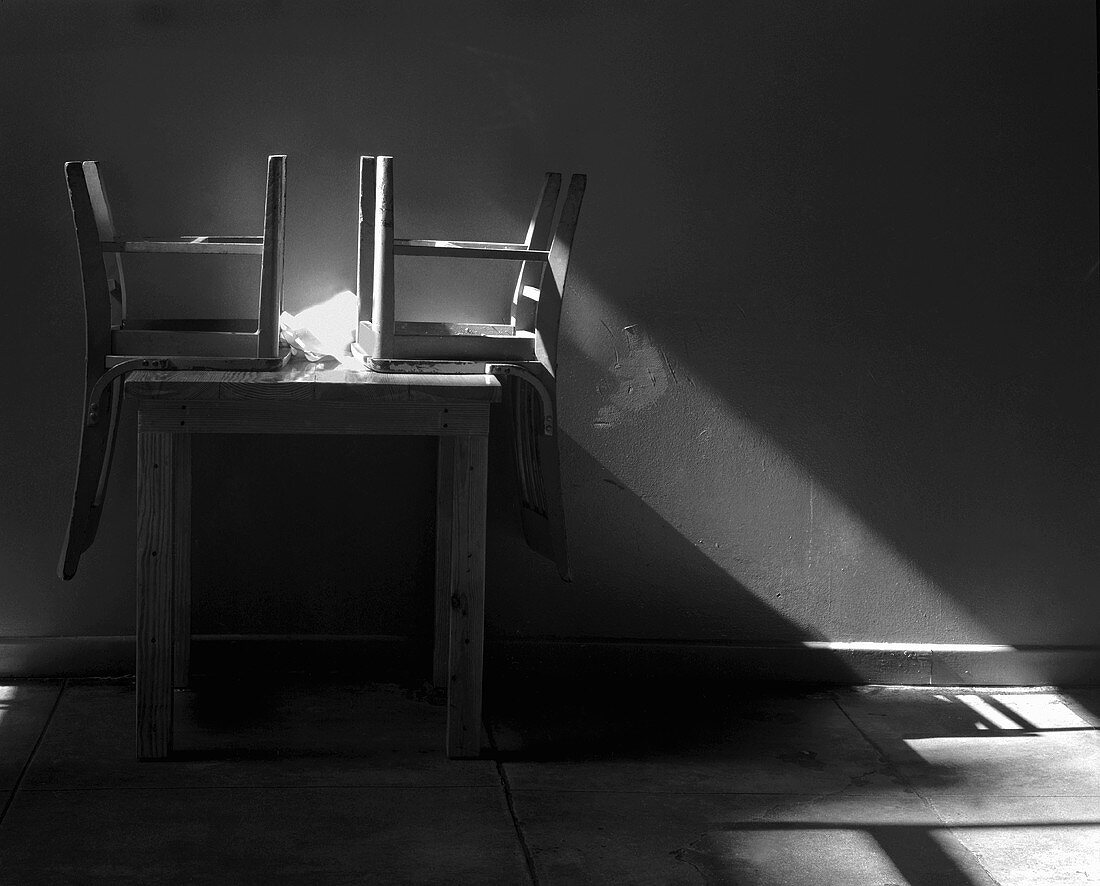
(523, 352)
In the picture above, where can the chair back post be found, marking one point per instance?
(525, 297)
(105, 225)
(93, 272)
(553, 283)
(271, 268)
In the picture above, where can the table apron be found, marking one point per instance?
(296, 417)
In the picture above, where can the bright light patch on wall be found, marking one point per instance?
(730, 464)
(7, 693)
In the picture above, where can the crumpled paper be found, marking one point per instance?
(324, 330)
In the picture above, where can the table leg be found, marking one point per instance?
(181, 591)
(444, 568)
(162, 546)
(467, 621)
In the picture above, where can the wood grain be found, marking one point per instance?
(491, 348)
(157, 573)
(280, 417)
(428, 327)
(202, 247)
(183, 343)
(444, 575)
(181, 548)
(308, 381)
(467, 635)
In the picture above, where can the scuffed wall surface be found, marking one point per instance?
(829, 358)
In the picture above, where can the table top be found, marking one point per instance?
(322, 381)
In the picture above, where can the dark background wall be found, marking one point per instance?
(829, 364)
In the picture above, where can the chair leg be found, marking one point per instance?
(467, 619)
(160, 553)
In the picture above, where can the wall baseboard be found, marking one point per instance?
(382, 656)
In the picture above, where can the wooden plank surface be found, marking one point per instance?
(444, 522)
(183, 343)
(158, 560)
(301, 380)
(193, 247)
(467, 635)
(281, 417)
(181, 547)
(491, 348)
(431, 327)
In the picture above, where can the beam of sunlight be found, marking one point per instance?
(991, 717)
(823, 572)
(7, 694)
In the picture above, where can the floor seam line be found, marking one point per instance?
(30, 757)
(909, 784)
(506, 787)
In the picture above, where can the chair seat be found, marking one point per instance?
(414, 340)
(162, 339)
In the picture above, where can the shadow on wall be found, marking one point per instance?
(634, 569)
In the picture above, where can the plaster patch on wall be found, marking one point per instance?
(643, 374)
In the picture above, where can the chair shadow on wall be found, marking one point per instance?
(609, 698)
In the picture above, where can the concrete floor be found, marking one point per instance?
(316, 783)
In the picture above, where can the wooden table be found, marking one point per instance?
(308, 399)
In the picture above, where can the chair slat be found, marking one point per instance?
(505, 253)
(463, 244)
(185, 246)
(426, 327)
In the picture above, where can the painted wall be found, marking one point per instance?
(829, 364)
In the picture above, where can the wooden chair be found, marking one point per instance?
(117, 344)
(525, 350)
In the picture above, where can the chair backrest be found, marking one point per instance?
(101, 251)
